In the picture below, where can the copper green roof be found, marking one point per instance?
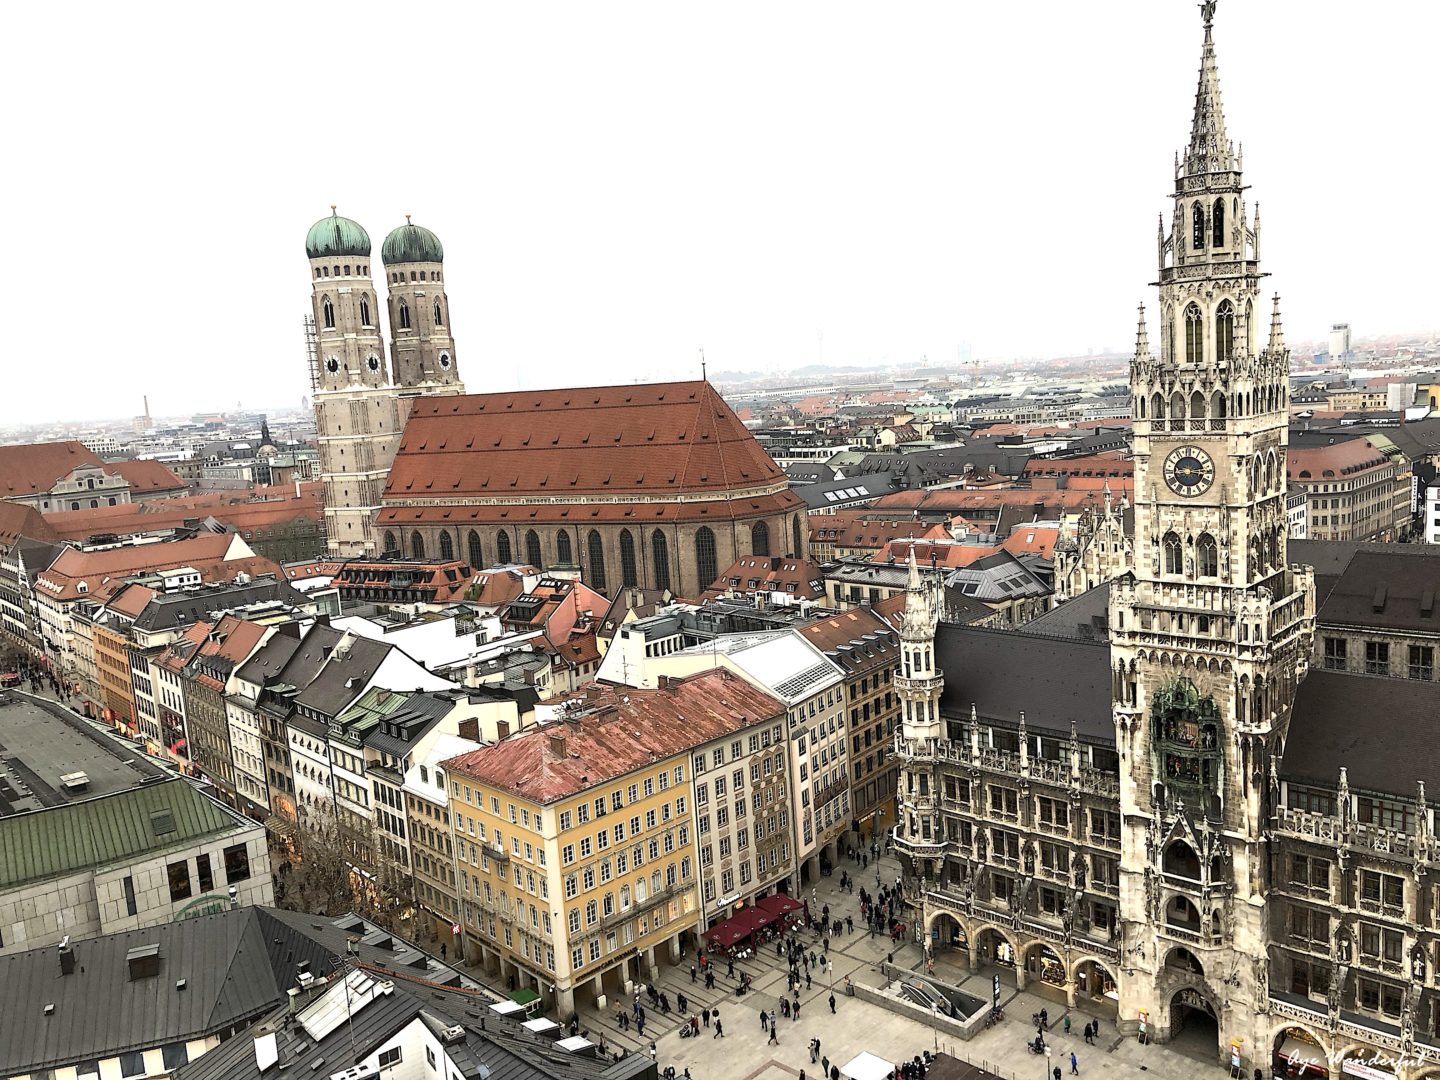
(336, 235)
(103, 831)
(411, 244)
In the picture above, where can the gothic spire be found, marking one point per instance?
(1277, 333)
(1142, 338)
(1210, 149)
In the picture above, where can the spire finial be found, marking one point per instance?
(407, 219)
(1210, 150)
(1277, 333)
(1142, 338)
(1207, 13)
(333, 212)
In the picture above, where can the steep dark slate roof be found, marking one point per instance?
(1052, 680)
(1083, 618)
(1383, 731)
(182, 609)
(341, 680)
(1386, 587)
(236, 966)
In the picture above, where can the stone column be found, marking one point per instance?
(565, 1002)
(599, 993)
(675, 948)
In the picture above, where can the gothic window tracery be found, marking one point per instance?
(705, 556)
(1197, 227)
(597, 560)
(1207, 556)
(327, 312)
(532, 549)
(1174, 557)
(447, 547)
(1194, 335)
(563, 551)
(404, 316)
(502, 547)
(1217, 224)
(629, 576)
(760, 539)
(417, 546)
(477, 555)
(438, 320)
(660, 549)
(1225, 332)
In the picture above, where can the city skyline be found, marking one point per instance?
(776, 195)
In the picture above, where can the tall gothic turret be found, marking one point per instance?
(1211, 628)
(918, 684)
(421, 346)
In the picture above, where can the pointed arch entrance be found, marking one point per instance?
(1194, 1024)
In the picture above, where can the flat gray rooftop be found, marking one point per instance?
(41, 741)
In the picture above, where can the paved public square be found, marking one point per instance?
(745, 1054)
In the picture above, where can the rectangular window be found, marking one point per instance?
(1422, 662)
(390, 1057)
(132, 1063)
(237, 864)
(1334, 654)
(179, 873)
(1377, 658)
(207, 877)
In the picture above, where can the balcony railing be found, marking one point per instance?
(1328, 829)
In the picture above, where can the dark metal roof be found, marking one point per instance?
(1083, 618)
(1053, 681)
(1382, 731)
(344, 677)
(236, 966)
(170, 610)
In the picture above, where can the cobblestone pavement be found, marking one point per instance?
(746, 1054)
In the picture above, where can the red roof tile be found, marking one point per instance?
(27, 469)
(612, 731)
(658, 438)
(146, 475)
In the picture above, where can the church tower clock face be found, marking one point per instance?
(1189, 471)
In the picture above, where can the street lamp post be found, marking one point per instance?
(1047, 1063)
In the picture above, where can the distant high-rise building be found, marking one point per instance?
(1340, 341)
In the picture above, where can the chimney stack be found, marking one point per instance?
(557, 743)
(67, 957)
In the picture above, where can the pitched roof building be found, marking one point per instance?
(658, 485)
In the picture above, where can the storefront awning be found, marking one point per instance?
(778, 905)
(737, 928)
(280, 826)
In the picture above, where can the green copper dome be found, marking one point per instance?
(336, 235)
(411, 244)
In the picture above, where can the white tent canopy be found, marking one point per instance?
(866, 1066)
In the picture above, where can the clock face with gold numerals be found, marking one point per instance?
(1189, 471)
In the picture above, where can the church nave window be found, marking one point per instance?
(404, 316)
(327, 313)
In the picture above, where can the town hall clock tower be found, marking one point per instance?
(1211, 629)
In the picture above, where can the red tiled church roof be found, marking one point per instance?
(656, 438)
(28, 469)
(146, 475)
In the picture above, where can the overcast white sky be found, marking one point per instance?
(620, 184)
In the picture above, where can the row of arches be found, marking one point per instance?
(361, 270)
(1214, 406)
(397, 276)
(1206, 556)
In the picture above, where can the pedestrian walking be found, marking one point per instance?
(807, 980)
(764, 1020)
(640, 1026)
(1067, 1023)
(773, 1041)
(1055, 1072)
(705, 1015)
(812, 1051)
(693, 972)
(719, 1031)
(682, 1003)
(795, 1010)
(1074, 1065)
(832, 1004)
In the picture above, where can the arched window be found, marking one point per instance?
(1177, 406)
(796, 538)
(476, 552)
(438, 320)
(327, 313)
(1197, 228)
(390, 546)
(1194, 335)
(447, 546)
(502, 547)
(1225, 332)
(596, 550)
(404, 316)
(760, 539)
(1174, 562)
(1217, 224)
(705, 556)
(1217, 406)
(532, 550)
(347, 269)
(1157, 407)
(1197, 406)
(417, 546)
(660, 552)
(1207, 556)
(365, 311)
(628, 575)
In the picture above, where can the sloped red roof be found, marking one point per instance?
(102, 571)
(1345, 458)
(19, 519)
(131, 600)
(146, 476)
(614, 731)
(657, 438)
(130, 519)
(30, 468)
(875, 534)
(800, 578)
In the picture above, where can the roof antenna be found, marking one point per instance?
(702, 366)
